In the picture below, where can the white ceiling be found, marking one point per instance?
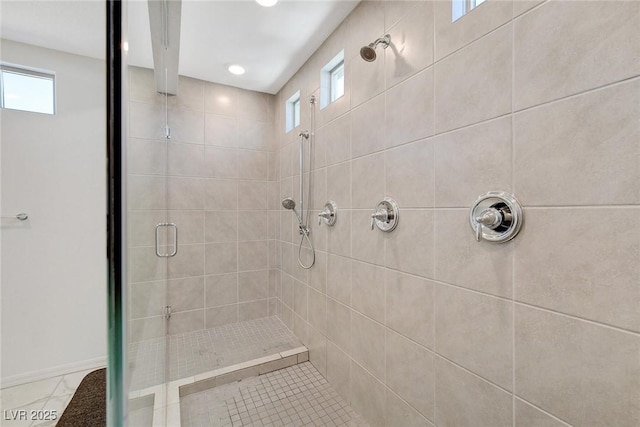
(71, 26)
(271, 43)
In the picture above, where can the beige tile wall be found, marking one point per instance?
(212, 178)
(425, 326)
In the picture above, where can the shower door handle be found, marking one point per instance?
(175, 239)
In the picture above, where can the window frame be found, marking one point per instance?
(327, 93)
(296, 113)
(463, 7)
(336, 73)
(29, 72)
(292, 112)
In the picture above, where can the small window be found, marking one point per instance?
(337, 81)
(461, 7)
(296, 113)
(27, 89)
(292, 112)
(332, 82)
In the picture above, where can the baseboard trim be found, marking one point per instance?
(13, 380)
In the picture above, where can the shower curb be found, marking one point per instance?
(170, 410)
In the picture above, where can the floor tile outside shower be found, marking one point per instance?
(49, 395)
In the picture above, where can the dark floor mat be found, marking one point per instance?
(88, 406)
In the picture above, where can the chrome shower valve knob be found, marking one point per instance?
(329, 214)
(382, 216)
(385, 215)
(496, 217)
(490, 218)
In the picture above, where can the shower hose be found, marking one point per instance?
(305, 235)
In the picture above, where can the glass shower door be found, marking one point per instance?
(153, 235)
(152, 242)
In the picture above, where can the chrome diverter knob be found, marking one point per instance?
(496, 217)
(330, 213)
(385, 216)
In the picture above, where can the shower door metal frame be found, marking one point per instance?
(116, 219)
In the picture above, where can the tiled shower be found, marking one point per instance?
(212, 178)
(423, 325)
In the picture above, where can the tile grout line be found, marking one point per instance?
(514, 112)
(512, 249)
(518, 398)
(435, 219)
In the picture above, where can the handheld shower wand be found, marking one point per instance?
(290, 204)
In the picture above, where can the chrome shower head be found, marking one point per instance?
(289, 203)
(368, 53)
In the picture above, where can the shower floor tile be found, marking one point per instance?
(196, 352)
(294, 396)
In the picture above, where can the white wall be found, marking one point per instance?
(53, 287)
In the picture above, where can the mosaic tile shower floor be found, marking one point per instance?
(193, 353)
(294, 396)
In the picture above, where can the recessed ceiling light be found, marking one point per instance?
(267, 3)
(238, 70)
